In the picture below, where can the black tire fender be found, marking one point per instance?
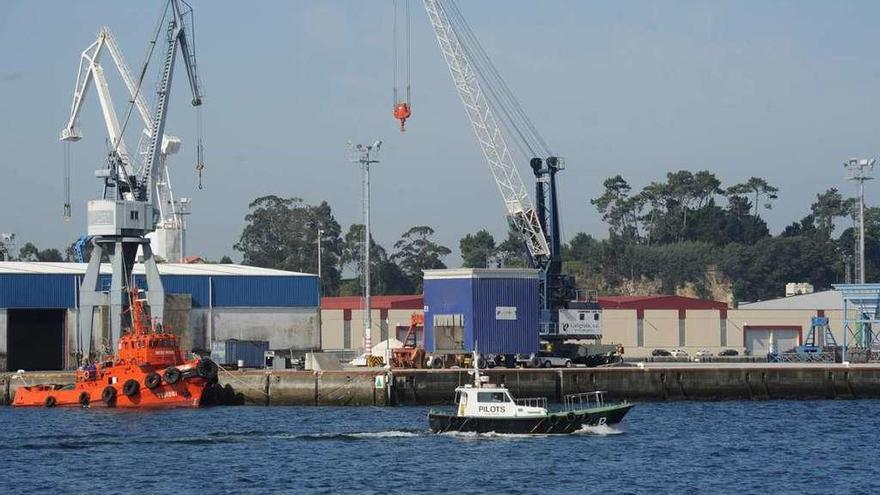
(172, 375)
(207, 369)
(108, 395)
(50, 401)
(84, 399)
(153, 380)
(571, 417)
(131, 388)
(553, 419)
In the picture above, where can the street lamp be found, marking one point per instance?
(320, 238)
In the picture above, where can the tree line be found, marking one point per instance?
(687, 234)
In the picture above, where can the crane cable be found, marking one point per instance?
(501, 98)
(402, 109)
(66, 181)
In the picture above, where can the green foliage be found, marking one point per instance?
(477, 250)
(282, 233)
(416, 251)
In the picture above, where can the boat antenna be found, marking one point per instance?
(476, 360)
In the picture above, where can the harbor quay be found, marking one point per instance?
(407, 387)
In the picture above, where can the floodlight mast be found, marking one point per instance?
(858, 170)
(366, 156)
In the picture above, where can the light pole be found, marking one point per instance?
(364, 158)
(320, 281)
(857, 170)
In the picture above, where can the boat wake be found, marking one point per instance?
(600, 430)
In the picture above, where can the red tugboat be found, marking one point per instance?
(148, 370)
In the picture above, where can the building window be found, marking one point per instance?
(133, 215)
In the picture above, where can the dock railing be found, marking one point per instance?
(586, 400)
(532, 402)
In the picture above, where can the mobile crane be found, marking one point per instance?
(129, 209)
(496, 115)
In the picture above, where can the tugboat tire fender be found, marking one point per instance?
(571, 416)
(108, 395)
(50, 401)
(153, 380)
(84, 399)
(172, 375)
(131, 387)
(206, 369)
(553, 418)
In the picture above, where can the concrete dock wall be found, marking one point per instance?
(435, 387)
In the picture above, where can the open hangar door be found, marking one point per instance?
(35, 339)
(759, 339)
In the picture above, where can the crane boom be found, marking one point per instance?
(177, 38)
(517, 201)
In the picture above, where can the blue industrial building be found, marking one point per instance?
(38, 307)
(495, 310)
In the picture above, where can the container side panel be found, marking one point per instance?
(505, 316)
(447, 297)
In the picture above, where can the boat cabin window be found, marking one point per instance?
(461, 398)
(492, 397)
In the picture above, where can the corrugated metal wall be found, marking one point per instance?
(443, 297)
(59, 291)
(477, 300)
(505, 336)
(38, 291)
(266, 291)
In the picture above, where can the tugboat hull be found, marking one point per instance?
(556, 423)
(125, 386)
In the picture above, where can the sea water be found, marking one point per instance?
(774, 447)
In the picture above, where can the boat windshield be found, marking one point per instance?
(493, 397)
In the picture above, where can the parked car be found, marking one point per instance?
(703, 353)
(543, 359)
(678, 353)
(660, 353)
(729, 352)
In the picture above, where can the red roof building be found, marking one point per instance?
(376, 302)
(658, 301)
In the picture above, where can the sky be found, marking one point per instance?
(784, 90)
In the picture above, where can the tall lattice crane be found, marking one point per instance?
(128, 211)
(168, 239)
(496, 115)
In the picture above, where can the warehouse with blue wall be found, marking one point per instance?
(495, 310)
(204, 303)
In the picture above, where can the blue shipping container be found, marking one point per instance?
(494, 309)
(252, 352)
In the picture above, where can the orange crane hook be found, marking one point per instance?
(401, 113)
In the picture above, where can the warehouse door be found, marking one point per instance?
(35, 339)
(759, 340)
(449, 333)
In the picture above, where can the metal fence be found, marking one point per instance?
(586, 400)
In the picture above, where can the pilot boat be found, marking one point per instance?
(148, 370)
(483, 407)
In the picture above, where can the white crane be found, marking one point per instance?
(495, 115)
(168, 239)
(517, 201)
(129, 209)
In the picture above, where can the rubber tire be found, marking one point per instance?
(207, 369)
(108, 395)
(534, 362)
(570, 417)
(153, 380)
(481, 363)
(547, 364)
(131, 388)
(50, 401)
(84, 399)
(172, 375)
(553, 419)
(436, 362)
(569, 364)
